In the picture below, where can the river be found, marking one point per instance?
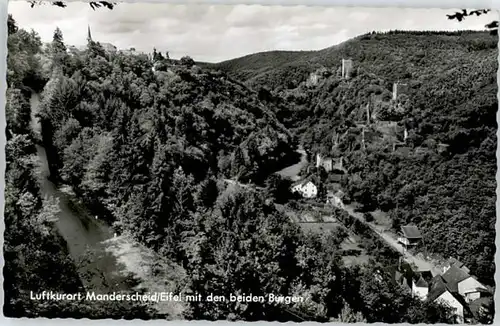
(84, 235)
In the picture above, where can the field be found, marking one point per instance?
(318, 220)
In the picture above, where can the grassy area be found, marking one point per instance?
(319, 227)
(319, 219)
(381, 220)
(352, 244)
(356, 260)
(154, 273)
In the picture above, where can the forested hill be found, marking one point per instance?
(146, 148)
(393, 55)
(450, 105)
(206, 117)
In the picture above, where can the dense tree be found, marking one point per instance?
(150, 151)
(444, 108)
(36, 256)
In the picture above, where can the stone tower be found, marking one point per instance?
(368, 114)
(398, 89)
(346, 68)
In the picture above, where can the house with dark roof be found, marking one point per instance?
(453, 261)
(416, 283)
(400, 274)
(420, 284)
(440, 292)
(409, 236)
(461, 282)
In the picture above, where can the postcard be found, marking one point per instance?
(250, 163)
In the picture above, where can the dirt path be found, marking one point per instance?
(421, 264)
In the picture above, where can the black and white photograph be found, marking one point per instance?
(250, 163)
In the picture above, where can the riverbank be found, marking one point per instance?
(104, 264)
(154, 274)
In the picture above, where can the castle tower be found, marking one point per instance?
(363, 144)
(398, 89)
(368, 114)
(318, 160)
(346, 68)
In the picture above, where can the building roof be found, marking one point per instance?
(426, 275)
(303, 181)
(453, 276)
(411, 232)
(400, 274)
(456, 262)
(109, 47)
(421, 283)
(422, 279)
(437, 287)
(459, 264)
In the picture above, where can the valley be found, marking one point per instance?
(359, 177)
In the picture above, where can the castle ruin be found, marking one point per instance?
(326, 163)
(346, 68)
(398, 89)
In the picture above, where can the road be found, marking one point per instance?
(243, 185)
(422, 264)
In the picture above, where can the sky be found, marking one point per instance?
(214, 33)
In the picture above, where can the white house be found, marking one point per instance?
(440, 292)
(447, 298)
(420, 284)
(419, 290)
(459, 280)
(306, 188)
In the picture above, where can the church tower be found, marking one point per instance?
(89, 35)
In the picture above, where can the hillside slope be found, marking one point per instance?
(443, 179)
(395, 55)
